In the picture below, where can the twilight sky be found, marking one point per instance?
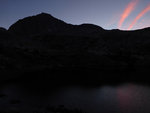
(109, 14)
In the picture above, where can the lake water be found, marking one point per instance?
(124, 98)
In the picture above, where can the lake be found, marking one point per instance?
(123, 98)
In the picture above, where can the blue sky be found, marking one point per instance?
(105, 13)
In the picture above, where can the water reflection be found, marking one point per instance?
(127, 98)
(133, 98)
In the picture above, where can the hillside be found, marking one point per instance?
(46, 46)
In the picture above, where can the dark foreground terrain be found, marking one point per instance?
(44, 50)
(43, 46)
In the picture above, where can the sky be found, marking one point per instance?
(109, 14)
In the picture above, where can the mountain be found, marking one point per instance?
(43, 44)
(38, 24)
(45, 23)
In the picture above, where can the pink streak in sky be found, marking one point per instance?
(140, 15)
(128, 10)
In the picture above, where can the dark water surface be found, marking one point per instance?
(123, 98)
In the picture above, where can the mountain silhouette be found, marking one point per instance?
(38, 24)
(45, 23)
(44, 44)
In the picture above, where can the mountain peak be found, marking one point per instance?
(44, 23)
(44, 14)
(37, 24)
